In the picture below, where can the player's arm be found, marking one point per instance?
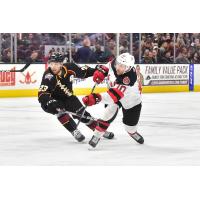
(45, 90)
(44, 95)
(80, 72)
(98, 73)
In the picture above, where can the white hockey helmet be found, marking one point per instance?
(126, 59)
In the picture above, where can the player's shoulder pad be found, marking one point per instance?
(70, 64)
(48, 76)
(71, 69)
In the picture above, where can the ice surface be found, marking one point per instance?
(169, 123)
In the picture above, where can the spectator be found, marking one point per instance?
(98, 53)
(146, 54)
(65, 54)
(85, 54)
(6, 42)
(136, 52)
(166, 58)
(6, 58)
(136, 46)
(180, 41)
(155, 54)
(182, 57)
(148, 57)
(110, 51)
(45, 39)
(58, 50)
(53, 49)
(46, 58)
(195, 58)
(164, 47)
(124, 43)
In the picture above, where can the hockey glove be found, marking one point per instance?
(91, 99)
(100, 73)
(54, 107)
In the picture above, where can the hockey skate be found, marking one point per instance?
(108, 135)
(94, 141)
(78, 136)
(137, 137)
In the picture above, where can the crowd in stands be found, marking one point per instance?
(153, 48)
(5, 53)
(181, 48)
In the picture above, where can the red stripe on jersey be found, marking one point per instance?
(119, 92)
(100, 129)
(102, 126)
(114, 98)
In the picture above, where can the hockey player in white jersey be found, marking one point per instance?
(123, 92)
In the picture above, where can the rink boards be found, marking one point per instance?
(154, 78)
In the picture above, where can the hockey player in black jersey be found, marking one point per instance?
(56, 93)
(124, 92)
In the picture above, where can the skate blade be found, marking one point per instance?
(109, 139)
(82, 142)
(94, 149)
(91, 149)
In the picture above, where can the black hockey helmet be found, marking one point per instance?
(56, 57)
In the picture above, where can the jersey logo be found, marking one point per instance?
(48, 76)
(64, 88)
(126, 80)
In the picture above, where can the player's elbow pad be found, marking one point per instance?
(43, 98)
(115, 94)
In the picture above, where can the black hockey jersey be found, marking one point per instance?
(61, 87)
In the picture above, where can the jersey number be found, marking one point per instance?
(43, 88)
(122, 88)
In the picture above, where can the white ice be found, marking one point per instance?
(169, 123)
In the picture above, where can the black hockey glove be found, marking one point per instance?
(54, 107)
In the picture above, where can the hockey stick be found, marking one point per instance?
(85, 107)
(77, 115)
(18, 70)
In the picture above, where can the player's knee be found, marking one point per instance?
(63, 118)
(110, 113)
(92, 124)
(102, 125)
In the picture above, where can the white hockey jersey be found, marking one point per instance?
(126, 83)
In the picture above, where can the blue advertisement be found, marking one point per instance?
(191, 77)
